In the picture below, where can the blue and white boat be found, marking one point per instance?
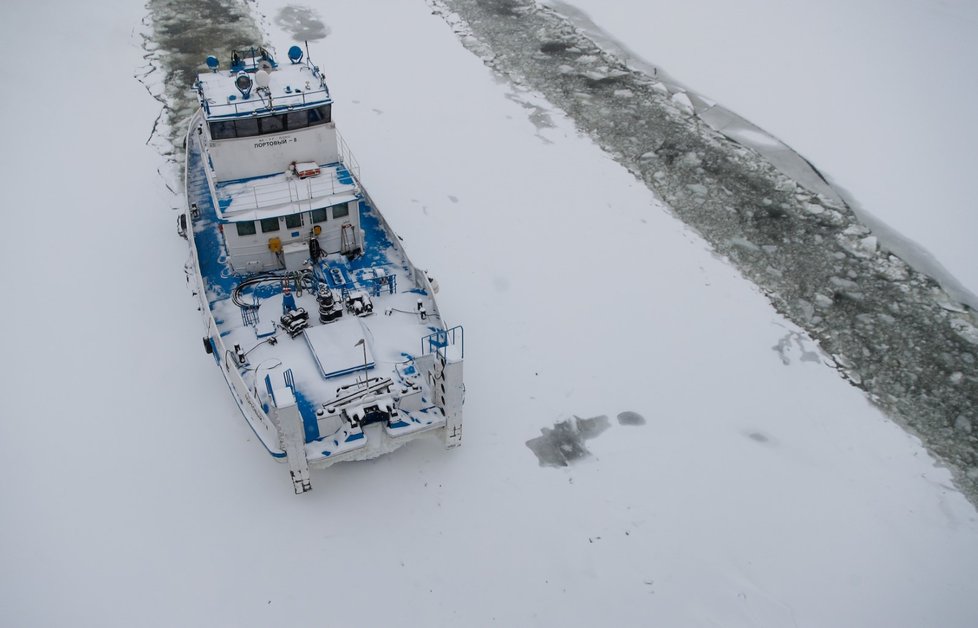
(328, 336)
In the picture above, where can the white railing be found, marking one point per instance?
(347, 158)
(287, 191)
(247, 401)
(258, 104)
(281, 102)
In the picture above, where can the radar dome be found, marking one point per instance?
(261, 79)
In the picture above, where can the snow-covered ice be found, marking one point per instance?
(887, 90)
(899, 339)
(762, 490)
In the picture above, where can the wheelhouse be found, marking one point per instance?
(280, 175)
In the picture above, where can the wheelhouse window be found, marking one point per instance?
(341, 211)
(222, 130)
(320, 115)
(277, 123)
(246, 127)
(297, 120)
(246, 228)
(293, 221)
(318, 215)
(269, 224)
(271, 124)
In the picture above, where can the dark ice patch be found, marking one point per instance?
(554, 47)
(761, 438)
(507, 8)
(612, 80)
(785, 349)
(564, 443)
(630, 418)
(302, 23)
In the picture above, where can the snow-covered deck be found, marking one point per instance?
(327, 358)
(290, 85)
(324, 363)
(284, 193)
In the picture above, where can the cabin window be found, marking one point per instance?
(246, 228)
(297, 119)
(294, 221)
(319, 215)
(249, 127)
(320, 115)
(269, 224)
(222, 130)
(272, 124)
(341, 211)
(246, 127)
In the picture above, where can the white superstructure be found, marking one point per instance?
(262, 121)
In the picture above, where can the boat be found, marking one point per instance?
(328, 337)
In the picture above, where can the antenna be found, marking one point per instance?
(212, 63)
(295, 54)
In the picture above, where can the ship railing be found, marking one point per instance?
(247, 399)
(297, 192)
(347, 158)
(209, 174)
(279, 103)
(439, 341)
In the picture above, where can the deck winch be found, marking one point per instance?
(358, 302)
(295, 321)
(363, 403)
(329, 309)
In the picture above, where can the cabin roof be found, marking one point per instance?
(290, 86)
(282, 194)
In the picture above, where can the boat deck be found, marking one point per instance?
(281, 194)
(289, 85)
(319, 359)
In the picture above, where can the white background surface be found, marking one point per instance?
(134, 494)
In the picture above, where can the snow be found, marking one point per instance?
(289, 85)
(879, 95)
(762, 489)
(282, 194)
(331, 351)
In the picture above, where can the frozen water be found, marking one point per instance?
(302, 23)
(176, 516)
(798, 246)
(185, 32)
